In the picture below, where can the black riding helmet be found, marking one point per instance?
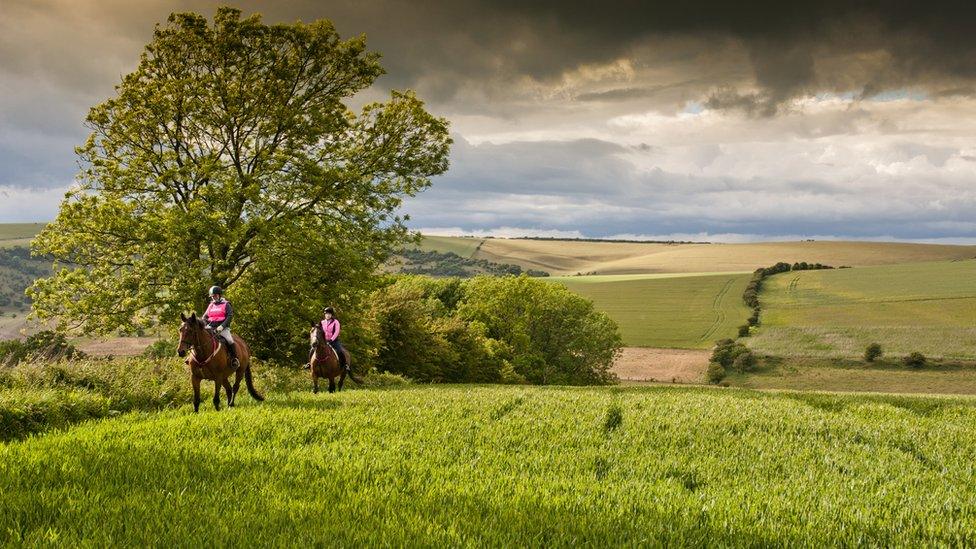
(216, 290)
(329, 310)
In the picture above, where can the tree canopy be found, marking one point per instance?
(229, 157)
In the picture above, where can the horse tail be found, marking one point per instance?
(357, 379)
(249, 380)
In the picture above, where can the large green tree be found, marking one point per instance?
(230, 157)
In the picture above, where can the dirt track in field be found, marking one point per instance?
(661, 365)
(116, 346)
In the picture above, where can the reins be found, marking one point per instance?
(216, 346)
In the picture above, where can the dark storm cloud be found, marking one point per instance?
(542, 78)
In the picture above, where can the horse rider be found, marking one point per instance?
(217, 317)
(331, 328)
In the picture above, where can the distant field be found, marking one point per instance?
(18, 234)
(926, 307)
(560, 257)
(674, 311)
(505, 466)
(832, 374)
(464, 247)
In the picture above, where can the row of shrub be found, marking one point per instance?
(479, 330)
(751, 294)
(450, 264)
(915, 359)
(731, 356)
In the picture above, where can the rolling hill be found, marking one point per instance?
(928, 307)
(682, 311)
(568, 257)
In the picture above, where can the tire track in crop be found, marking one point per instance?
(793, 284)
(720, 315)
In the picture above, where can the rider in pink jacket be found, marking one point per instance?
(331, 327)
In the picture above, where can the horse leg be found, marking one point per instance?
(196, 392)
(230, 392)
(331, 384)
(237, 381)
(315, 381)
(342, 378)
(216, 395)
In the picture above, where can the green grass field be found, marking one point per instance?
(835, 374)
(464, 247)
(926, 307)
(673, 311)
(506, 466)
(18, 234)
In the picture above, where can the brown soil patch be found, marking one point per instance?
(662, 365)
(115, 346)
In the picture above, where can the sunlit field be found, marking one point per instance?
(925, 307)
(675, 311)
(506, 466)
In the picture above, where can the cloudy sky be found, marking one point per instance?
(706, 120)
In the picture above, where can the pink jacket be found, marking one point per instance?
(331, 328)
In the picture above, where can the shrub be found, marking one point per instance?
(715, 372)
(915, 360)
(744, 362)
(744, 330)
(873, 352)
(569, 342)
(727, 351)
(162, 348)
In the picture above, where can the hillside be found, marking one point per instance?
(18, 234)
(688, 311)
(926, 307)
(568, 257)
(506, 466)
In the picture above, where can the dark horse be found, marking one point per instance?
(325, 362)
(209, 360)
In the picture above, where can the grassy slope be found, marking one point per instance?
(18, 234)
(832, 374)
(505, 466)
(464, 247)
(684, 312)
(927, 307)
(568, 257)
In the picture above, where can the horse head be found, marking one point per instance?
(315, 335)
(190, 331)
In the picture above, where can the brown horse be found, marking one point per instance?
(325, 362)
(209, 360)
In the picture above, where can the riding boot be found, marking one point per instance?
(311, 353)
(344, 363)
(232, 351)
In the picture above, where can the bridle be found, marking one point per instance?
(215, 343)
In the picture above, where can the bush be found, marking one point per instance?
(162, 348)
(727, 351)
(43, 346)
(915, 360)
(569, 342)
(744, 330)
(744, 362)
(715, 372)
(492, 330)
(873, 352)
